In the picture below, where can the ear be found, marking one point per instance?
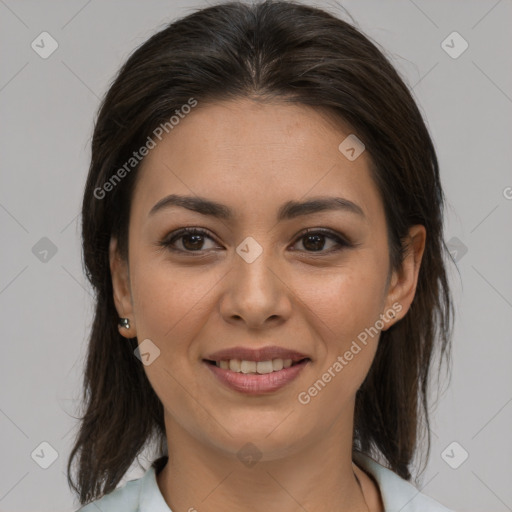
(121, 288)
(403, 282)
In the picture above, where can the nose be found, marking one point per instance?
(256, 293)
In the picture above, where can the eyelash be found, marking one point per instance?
(169, 240)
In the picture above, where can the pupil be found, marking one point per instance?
(197, 240)
(317, 244)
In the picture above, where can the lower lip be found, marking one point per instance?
(255, 384)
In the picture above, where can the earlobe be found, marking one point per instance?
(404, 281)
(121, 290)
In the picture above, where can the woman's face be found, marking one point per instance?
(255, 280)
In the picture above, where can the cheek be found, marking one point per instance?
(170, 307)
(171, 302)
(344, 314)
(343, 302)
(344, 308)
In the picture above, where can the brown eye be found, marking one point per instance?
(315, 241)
(192, 240)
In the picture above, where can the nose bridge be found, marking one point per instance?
(253, 265)
(255, 290)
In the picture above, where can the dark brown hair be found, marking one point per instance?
(276, 51)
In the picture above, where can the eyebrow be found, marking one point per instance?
(289, 210)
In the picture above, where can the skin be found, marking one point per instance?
(254, 157)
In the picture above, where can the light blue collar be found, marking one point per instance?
(398, 495)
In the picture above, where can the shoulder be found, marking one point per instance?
(397, 494)
(138, 495)
(124, 498)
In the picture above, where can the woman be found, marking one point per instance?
(262, 223)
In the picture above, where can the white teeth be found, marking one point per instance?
(264, 367)
(261, 367)
(277, 364)
(248, 366)
(234, 365)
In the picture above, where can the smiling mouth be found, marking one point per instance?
(255, 367)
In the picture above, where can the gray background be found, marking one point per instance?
(47, 111)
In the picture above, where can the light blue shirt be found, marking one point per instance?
(143, 494)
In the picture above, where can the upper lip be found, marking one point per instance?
(260, 354)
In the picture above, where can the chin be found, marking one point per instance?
(265, 439)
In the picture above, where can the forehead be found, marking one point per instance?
(251, 154)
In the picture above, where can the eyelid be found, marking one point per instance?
(169, 239)
(342, 241)
(328, 232)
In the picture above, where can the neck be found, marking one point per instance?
(315, 476)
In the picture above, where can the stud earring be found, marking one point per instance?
(124, 323)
